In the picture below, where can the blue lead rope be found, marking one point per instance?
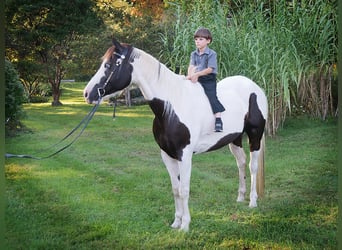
(85, 122)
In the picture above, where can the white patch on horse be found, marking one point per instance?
(168, 111)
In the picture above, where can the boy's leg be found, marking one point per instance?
(210, 91)
(216, 106)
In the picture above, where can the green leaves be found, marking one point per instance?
(14, 97)
(40, 33)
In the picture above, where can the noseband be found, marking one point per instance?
(117, 68)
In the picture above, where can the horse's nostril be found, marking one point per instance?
(85, 94)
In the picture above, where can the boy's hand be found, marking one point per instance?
(193, 78)
(192, 74)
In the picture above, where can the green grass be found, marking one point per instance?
(110, 190)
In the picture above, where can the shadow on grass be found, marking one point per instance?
(41, 220)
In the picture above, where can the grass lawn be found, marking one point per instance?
(110, 190)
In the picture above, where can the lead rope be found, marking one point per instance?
(85, 123)
(114, 108)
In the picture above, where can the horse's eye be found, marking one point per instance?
(107, 65)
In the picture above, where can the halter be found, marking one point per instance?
(118, 65)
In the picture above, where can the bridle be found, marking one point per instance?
(117, 68)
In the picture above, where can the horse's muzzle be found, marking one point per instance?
(88, 99)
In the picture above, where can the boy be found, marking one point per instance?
(203, 69)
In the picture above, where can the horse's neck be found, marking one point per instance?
(154, 78)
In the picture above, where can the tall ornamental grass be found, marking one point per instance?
(289, 48)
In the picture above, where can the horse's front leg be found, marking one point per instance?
(173, 170)
(184, 190)
(180, 173)
(240, 158)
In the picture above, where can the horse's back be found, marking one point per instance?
(243, 87)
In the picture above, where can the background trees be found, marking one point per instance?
(14, 93)
(39, 35)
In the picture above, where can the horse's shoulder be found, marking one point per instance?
(170, 133)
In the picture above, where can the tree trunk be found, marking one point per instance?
(55, 84)
(56, 96)
(56, 93)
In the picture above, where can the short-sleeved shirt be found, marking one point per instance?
(206, 60)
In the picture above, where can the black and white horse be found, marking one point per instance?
(184, 122)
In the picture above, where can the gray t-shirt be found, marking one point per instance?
(206, 60)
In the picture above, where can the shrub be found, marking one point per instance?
(14, 98)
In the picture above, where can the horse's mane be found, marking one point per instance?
(108, 53)
(151, 59)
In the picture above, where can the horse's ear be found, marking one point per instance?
(116, 43)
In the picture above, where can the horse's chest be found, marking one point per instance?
(171, 135)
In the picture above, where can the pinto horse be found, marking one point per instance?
(184, 122)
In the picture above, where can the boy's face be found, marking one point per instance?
(201, 42)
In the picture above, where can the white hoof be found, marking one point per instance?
(176, 224)
(253, 204)
(240, 198)
(184, 228)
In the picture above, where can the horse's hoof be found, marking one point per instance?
(184, 228)
(253, 204)
(240, 199)
(176, 224)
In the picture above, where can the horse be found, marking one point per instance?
(184, 123)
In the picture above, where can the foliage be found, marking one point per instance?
(32, 79)
(288, 48)
(110, 190)
(39, 35)
(134, 22)
(14, 98)
(86, 52)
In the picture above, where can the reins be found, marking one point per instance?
(84, 122)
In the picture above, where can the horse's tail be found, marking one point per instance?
(261, 168)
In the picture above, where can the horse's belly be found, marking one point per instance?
(213, 141)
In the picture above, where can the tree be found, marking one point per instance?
(39, 35)
(14, 98)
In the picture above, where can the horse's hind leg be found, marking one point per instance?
(254, 127)
(253, 167)
(240, 157)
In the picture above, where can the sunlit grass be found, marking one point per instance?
(73, 93)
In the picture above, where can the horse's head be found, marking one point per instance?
(114, 74)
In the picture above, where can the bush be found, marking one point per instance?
(38, 99)
(14, 98)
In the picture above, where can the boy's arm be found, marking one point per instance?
(193, 76)
(204, 72)
(191, 70)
